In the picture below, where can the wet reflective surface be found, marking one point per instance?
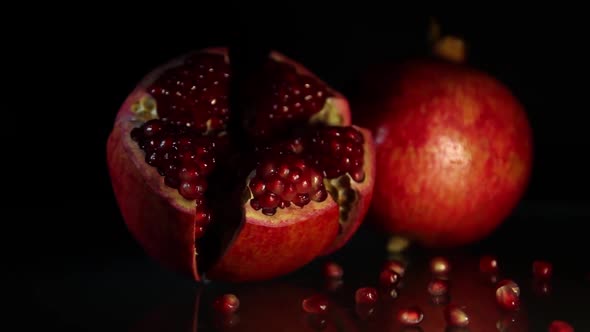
(134, 294)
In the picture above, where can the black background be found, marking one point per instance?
(83, 70)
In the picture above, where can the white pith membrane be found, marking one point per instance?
(339, 189)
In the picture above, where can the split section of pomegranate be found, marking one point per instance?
(238, 196)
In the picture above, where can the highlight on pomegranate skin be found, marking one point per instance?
(244, 194)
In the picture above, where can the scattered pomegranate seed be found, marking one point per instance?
(507, 297)
(438, 287)
(388, 278)
(542, 269)
(333, 270)
(509, 283)
(226, 304)
(456, 316)
(488, 264)
(315, 304)
(440, 266)
(366, 295)
(410, 316)
(560, 326)
(395, 266)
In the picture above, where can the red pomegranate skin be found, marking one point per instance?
(454, 150)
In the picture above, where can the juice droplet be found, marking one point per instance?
(456, 316)
(437, 287)
(315, 304)
(410, 316)
(366, 295)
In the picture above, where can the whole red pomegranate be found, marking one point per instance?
(238, 196)
(453, 150)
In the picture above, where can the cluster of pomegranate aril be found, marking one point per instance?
(289, 99)
(183, 157)
(337, 151)
(283, 180)
(195, 92)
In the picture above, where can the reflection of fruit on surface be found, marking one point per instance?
(238, 197)
(454, 150)
(277, 307)
(468, 291)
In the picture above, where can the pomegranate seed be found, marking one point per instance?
(542, 269)
(272, 189)
(456, 316)
(293, 98)
(560, 326)
(366, 295)
(388, 278)
(437, 287)
(440, 266)
(488, 264)
(226, 304)
(333, 270)
(393, 293)
(509, 283)
(410, 316)
(194, 92)
(507, 297)
(395, 266)
(315, 304)
(337, 151)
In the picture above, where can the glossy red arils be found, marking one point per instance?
(395, 266)
(366, 295)
(410, 316)
(507, 297)
(560, 326)
(440, 266)
(542, 269)
(456, 316)
(226, 304)
(437, 287)
(388, 278)
(333, 270)
(315, 304)
(488, 264)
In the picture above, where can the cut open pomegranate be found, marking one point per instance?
(239, 196)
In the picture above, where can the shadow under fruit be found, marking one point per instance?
(214, 192)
